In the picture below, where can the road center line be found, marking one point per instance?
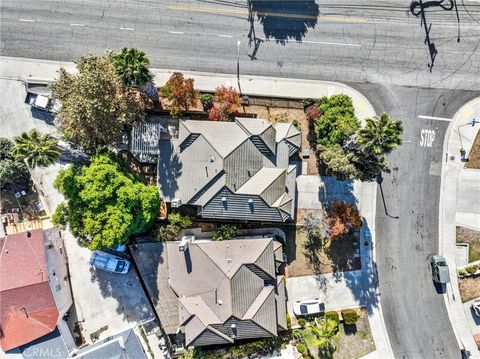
(317, 42)
(26, 20)
(434, 118)
(127, 28)
(81, 25)
(176, 32)
(229, 36)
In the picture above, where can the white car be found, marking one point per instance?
(109, 262)
(308, 307)
(476, 306)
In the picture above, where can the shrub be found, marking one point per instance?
(207, 101)
(215, 114)
(472, 269)
(302, 349)
(333, 315)
(362, 334)
(312, 113)
(462, 272)
(296, 124)
(289, 320)
(224, 232)
(302, 322)
(177, 219)
(350, 316)
(308, 102)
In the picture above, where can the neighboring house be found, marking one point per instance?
(34, 287)
(125, 345)
(237, 170)
(216, 292)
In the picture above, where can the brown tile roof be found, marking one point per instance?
(27, 307)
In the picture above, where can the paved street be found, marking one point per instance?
(415, 314)
(361, 41)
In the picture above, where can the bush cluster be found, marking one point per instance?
(302, 349)
(302, 322)
(472, 269)
(350, 316)
(333, 315)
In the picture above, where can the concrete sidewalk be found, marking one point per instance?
(459, 199)
(43, 70)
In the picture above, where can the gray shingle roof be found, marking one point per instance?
(217, 280)
(211, 156)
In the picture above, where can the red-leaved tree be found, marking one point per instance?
(180, 92)
(342, 218)
(228, 102)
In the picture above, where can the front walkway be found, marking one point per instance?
(459, 204)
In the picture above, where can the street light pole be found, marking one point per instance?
(238, 67)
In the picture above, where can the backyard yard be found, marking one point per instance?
(351, 341)
(306, 257)
(474, 155)
(469, 287)
(472, 238)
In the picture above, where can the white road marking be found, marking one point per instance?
(426, 138)
(434, 118)
(229, 36)
(176, 32)
(81, 25)
(319, 42)
(127, 28)
(26, 20)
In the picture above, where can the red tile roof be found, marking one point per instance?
(27, 307)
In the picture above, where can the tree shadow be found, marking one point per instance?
(169, 169)
(370, 295)
(335, 190)
(281, 20)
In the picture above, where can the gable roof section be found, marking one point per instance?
(224, 137)
(253, 126)
(260, 181)
(27, 307)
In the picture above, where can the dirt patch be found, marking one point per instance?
(355, 341)
(466, 235)
(469, 288)
(474, 155)
(307, 258)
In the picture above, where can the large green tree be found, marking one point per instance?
(11, 170)
(96, 104)
(380, 135)
(36, 149)
(337, 121)
(106, 204)
(131, 66)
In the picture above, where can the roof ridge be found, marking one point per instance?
(267, 289)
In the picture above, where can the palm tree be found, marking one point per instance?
(36, 149)
(132, 67)
(380, 135)
(326, 334)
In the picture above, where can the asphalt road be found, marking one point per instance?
(376, 47)
(348, 41)
(407, 225)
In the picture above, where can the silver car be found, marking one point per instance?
(439, 269)
(109, 262)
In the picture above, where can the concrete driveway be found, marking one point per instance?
(313, 191)
(337, 290)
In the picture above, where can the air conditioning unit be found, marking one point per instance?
(176, 203)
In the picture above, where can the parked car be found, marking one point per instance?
(109, 262)
(43, 102)
(440, 272)
(476, 306)
(308, 307)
